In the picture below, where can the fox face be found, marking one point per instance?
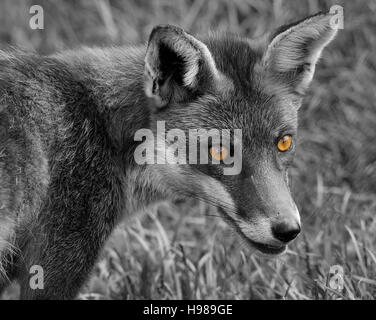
(256, 87)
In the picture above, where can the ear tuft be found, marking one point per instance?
(294, 50)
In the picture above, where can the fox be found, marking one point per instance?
(68, 121)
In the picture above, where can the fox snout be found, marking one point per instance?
(281, 208)
(286, 231)
(272, 227)
(278, 206)
(268, 217)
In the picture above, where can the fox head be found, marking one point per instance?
(230, 82)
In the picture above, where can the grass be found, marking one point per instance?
(183, 251)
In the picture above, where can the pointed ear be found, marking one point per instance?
(294, 50)
(177, 65)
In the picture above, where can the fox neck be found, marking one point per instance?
(116, 79)
(120, 90)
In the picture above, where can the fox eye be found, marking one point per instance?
(284, 143)
(218, 152)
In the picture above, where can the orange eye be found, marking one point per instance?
(284, 143)
(218, 153)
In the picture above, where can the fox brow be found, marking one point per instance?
(234, 56)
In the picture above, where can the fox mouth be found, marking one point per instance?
(267, 248)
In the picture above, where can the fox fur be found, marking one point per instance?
(67, 126)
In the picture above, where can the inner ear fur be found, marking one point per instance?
(294, 50)
(176, 65)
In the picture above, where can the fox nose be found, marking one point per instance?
(285, 231)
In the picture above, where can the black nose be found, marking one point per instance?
(285, 232)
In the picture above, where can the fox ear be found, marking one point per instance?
(177, 65)
(294, 50)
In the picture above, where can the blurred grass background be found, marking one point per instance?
(181, 250)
